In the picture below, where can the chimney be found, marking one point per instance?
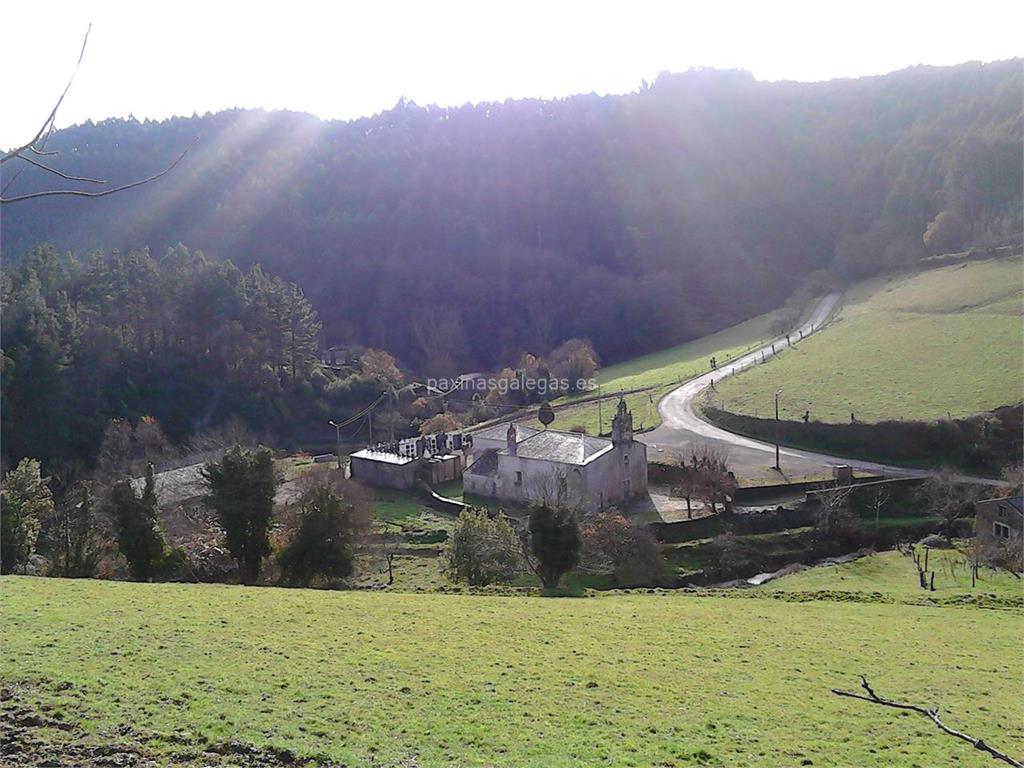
(510, 439)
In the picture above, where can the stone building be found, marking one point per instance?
(999, 523)
(561, 468)
(432, 459)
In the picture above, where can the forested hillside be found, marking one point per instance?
(457, 238)
(182, 340)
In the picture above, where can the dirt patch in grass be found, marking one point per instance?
(34, 737)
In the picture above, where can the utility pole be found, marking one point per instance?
(600, 421)
(337, 432)
(391, 413)
(777, 467)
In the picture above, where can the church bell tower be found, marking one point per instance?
(622, 424)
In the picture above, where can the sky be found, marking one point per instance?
(349, 59)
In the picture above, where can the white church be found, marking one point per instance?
(523, 465)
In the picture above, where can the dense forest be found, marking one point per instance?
(181, 342)
(459, 238)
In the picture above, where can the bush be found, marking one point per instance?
(626, 548)
(482, 549)
(731, 557)
(643, 564)
(441, 422)
(333, 521)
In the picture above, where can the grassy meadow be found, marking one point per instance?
(389, 679)
(947, 341)
(660, 372)
(894, 576)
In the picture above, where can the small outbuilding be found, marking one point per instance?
(384, 469)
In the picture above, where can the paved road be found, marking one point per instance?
(681, 429)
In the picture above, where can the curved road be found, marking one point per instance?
(681, 429)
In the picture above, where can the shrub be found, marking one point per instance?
(731, 557)
(482, 549)
(332, 523)
(626, 548)
(441, 422)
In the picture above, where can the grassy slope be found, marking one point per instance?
(919, 346)
(895, 575)
(473, 680)
(660, 372)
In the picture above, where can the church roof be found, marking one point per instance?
(500, 432)
(562, 447)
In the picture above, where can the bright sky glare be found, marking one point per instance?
(348, 59)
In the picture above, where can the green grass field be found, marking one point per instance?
(894, 575)
(386, 679)
(947, 341)
(660, 372)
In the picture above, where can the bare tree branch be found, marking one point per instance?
(54, 171)
(37, 146)
(105, 192)
(48, 124)
(39, 151)
(931, 714)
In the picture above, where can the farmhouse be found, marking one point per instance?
(999, 523)
(564, 468)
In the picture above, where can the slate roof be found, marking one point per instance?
(175, 485)
(500, 432)
(562, 447)
(1017, 502)
(382, 457)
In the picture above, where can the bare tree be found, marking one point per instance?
(949, 499)
(879, 498)
(1013, 474)
(712, 481)
(687, 487)
(931, 714)
(36, 147)
(552, 490)
(834, 517)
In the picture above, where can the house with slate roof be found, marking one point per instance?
(569, 469)
(999, 524)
